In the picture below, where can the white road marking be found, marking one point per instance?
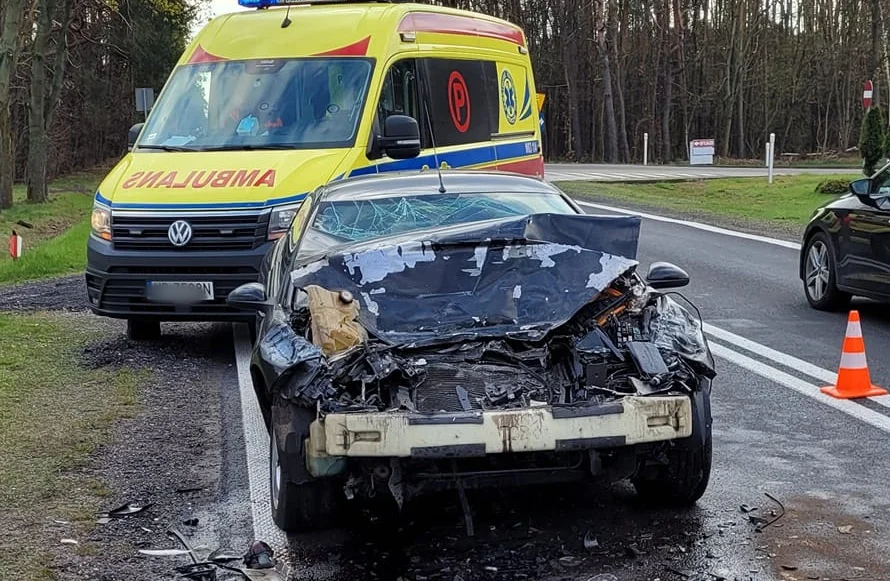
(809, 390)
(696, 225)
(256, 444)
(804, 367)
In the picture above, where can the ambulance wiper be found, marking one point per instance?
(249, 147)
(168, 148)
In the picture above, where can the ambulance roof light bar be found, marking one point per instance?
(260, 4)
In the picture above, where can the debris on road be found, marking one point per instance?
(164, 552)
(259, 556)
(69, 542)
(845, 530)
(590, 541)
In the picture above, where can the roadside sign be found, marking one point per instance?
(145, 98)
(867, 93)
(701, 152)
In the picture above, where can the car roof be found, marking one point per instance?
(426, 182)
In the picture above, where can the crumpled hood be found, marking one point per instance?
(249, 178)
(517, 277)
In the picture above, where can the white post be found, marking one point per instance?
(766, 158)
(645, 149)
(772, 154)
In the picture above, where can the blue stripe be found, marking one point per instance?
(209, 206)
(455, 159)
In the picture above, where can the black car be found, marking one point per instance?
(419, 332)
(846, 246)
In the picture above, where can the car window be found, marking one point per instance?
(359, 220)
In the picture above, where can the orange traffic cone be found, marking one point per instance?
(853, 380)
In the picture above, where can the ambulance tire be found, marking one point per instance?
(143, 330)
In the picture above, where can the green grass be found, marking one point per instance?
(789, 200)
(53, 415)
(56, 244)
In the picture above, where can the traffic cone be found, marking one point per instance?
(853, 380)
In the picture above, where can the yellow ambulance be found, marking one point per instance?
(267, 105)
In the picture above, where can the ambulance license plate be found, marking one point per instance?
(180, 292)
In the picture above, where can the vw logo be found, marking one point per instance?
(179, 233)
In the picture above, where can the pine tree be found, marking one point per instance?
(871, 139)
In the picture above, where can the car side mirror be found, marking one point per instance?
(861, 187)
(132, 135)
(666, 275)
(250, 296)
(401, 137)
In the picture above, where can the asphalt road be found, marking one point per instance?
(607, 172)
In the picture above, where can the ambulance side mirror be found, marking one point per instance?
(132, 135)
(401, 137)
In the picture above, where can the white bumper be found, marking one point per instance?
(631, 420)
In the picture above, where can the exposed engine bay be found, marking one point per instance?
(463, 323)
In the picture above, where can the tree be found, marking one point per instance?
(10, 43)
(871, 139)
(45, 97)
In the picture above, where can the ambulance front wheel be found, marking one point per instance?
(143, 330)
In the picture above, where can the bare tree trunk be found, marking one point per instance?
(617, 44)
(611, 145)
(42, 108)
(9, 51)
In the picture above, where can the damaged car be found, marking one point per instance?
(458, 330)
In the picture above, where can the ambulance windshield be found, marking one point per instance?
(313, 103)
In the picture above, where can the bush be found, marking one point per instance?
(871, 139)
(833, 187)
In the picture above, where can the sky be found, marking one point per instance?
(215, 8)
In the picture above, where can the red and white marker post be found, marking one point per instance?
(15, 245)
(867, 93)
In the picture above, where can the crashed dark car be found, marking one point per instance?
(414, 335)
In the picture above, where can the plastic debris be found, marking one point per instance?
(590, 541)
(569, 561)
(122, 511)
(845, 530)
(259, 556)
(164, 552)
(69, 542)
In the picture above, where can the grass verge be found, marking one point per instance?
(53, 414)
(56, 243)
(788, 201)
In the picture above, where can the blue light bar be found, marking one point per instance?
(268, 3)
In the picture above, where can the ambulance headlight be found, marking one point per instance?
(101, 221)
(280, 220)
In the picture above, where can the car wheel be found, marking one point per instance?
(820, 275)
(306, 505)
(143, 330)
(682, 476)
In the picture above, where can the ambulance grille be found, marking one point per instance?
(216, 232)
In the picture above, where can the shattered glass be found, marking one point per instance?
(356, 220)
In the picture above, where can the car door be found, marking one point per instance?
(864, 258)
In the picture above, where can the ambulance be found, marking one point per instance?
(267, 105)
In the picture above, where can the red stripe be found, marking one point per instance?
(467, 25)
(202, 56)
(359, 48)
(530, 167)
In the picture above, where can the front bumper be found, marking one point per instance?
(631, 420)
(116, 280)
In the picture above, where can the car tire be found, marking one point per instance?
(143, 330)
(300, 503)
(822, 294)
(683, 475)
